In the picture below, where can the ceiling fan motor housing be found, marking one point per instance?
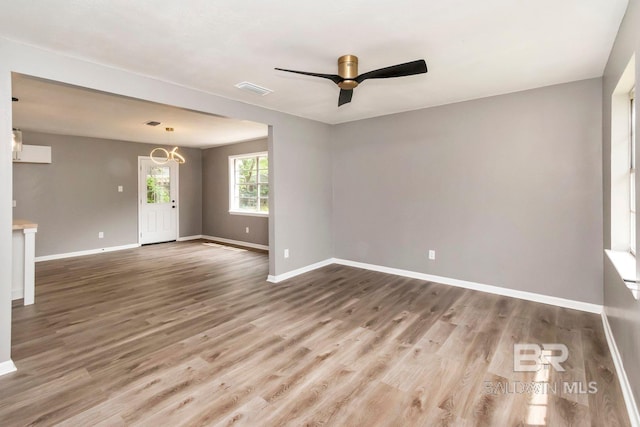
(348, 70)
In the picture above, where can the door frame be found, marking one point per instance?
(140, 195)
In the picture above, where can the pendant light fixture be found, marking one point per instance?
(161, 155)
(16, 144)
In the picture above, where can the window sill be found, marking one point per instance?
(625, 263)
(262, 214)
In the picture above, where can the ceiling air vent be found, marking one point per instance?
(152, 123)
(253, 88)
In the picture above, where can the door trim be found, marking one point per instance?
(139, 200)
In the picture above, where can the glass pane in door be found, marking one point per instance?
(158, 184)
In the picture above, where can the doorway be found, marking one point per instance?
(157, 201)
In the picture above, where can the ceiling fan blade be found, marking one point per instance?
(400, 70)
(345, 96)
(333, 77)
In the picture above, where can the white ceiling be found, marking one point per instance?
(62, 109)
(473, 48)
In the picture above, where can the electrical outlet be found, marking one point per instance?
(432, 254)
(14, 203)
(246, 230)
(100, 234)
(120, 189)
(286, 253)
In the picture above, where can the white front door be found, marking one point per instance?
(158, 201)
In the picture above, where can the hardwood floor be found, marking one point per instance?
(190, 334)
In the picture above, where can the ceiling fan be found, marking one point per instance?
(347, 78)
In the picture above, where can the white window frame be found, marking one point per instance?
(622, 248)
(233, 208)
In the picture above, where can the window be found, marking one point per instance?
(623, 172)
(632, 172)
(623, 224)
(249, 184)
(158, 185)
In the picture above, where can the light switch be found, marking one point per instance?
(14, 203)
(120, 189)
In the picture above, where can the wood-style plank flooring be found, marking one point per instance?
(190, 334)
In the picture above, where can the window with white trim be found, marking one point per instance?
(249, 184)
(623, 221)
(632, 172)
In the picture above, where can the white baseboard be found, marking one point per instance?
(88, 252)
(297, 272)
(530, 296)
(185, 238)
(235, 242)
(7, 367)
(625, 385)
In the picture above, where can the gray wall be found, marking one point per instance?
(507, 190)
(76, 196)
(622, 310)
(300, 158)
(300, 173)
(216, 219)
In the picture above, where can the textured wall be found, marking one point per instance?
(506, 189)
